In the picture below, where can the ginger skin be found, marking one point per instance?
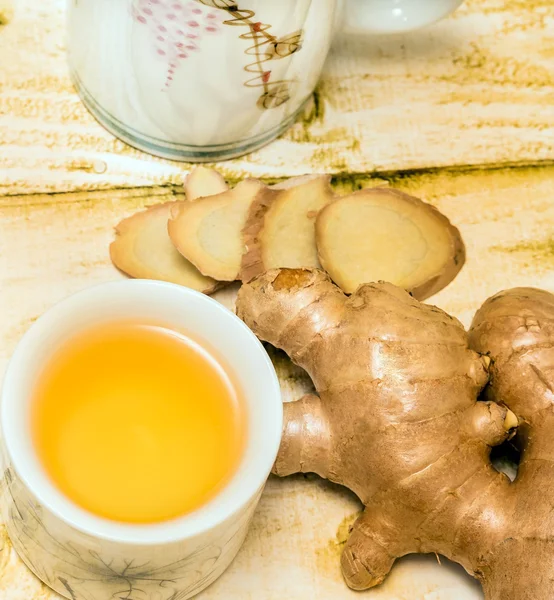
(398, 422)
(516, 330)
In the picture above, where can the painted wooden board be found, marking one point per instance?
(477, 88)
(54, 245)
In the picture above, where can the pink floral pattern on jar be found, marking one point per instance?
(176, 28)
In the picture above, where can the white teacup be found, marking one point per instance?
(206, 80)
(85, 557)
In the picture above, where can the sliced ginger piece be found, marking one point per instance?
(142, 249)
(208, 232)
(383, 234)
(280, 229)
(291, 182)
(202, 181)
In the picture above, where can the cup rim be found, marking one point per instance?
(198, 522)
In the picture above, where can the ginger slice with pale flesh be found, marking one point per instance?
(142, 249)
(384, 234)
(208, 232)
(202, 181)
(280, 229)
(291, 182)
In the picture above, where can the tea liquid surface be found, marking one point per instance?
(137, 423)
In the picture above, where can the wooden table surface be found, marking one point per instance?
(460, 114)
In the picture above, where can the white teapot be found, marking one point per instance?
(208, 80)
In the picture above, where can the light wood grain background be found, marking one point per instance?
(474, 89)
(461, 114)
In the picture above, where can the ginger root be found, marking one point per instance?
(397, 421)
(515, 328)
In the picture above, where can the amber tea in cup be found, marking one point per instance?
(137, 423)
(140, 421)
